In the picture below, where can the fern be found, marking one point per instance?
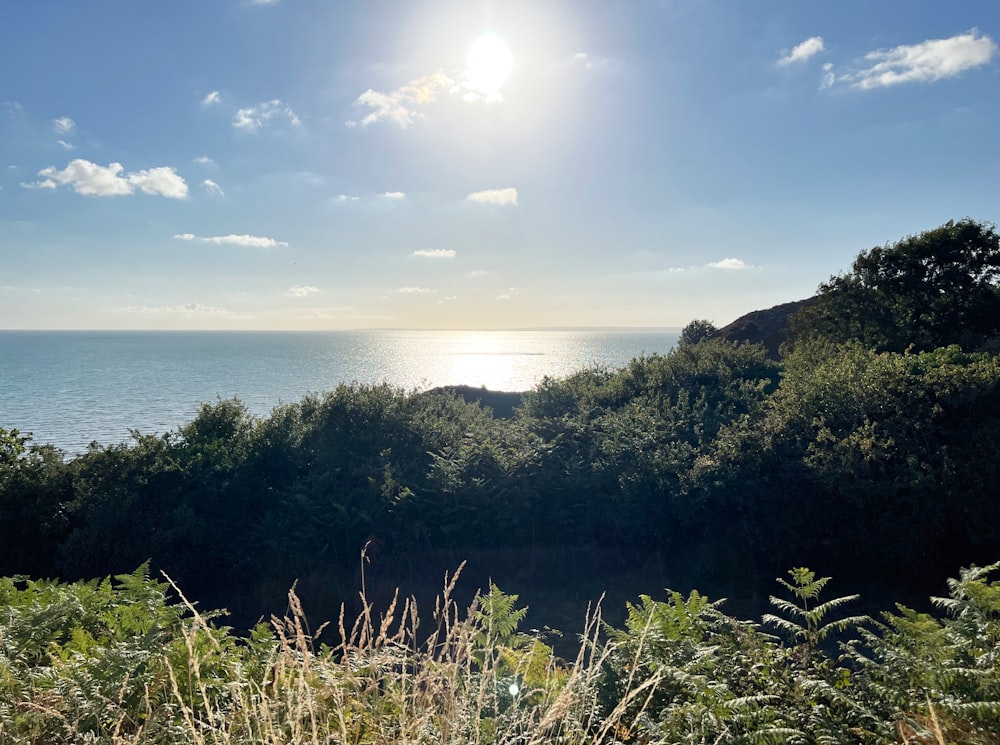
(809, 625)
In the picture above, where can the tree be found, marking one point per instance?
(698, 330)
(928, 290)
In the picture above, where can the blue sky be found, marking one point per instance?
(307, 164)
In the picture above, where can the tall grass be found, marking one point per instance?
(386, 679)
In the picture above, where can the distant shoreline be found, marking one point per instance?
(558, 329)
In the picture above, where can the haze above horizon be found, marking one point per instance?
(307, 165)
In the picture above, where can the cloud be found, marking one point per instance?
(44, 184)
(66, 145)
(729, 264)
(809, 48)
(394, 196)
(211, 98)
(63, 125)
(264, 2)
(187, 308)
(212, 188)
(481, 273)
(345, 198)
(926, 62)
(112, 180)
(163, 181)
(502, 197)
(302, 290)
(828, 77)
(203, 160)
(256, 117)
(400, 106)
(435, 253)
(250, 241)
(415, 290)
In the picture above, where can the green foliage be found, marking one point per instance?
(806, 619)
(696, 331)
(924, 291)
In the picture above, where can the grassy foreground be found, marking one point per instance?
(117, 661)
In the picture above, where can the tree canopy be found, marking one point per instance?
(925, 291)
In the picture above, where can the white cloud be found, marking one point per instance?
(65, 145)
(392, 195)
(828, 77)
(163, 181)
(187, 308)
(63, 125)
(505, 296)
(809, 48)
(44, 184)
(503, 197)
(346, 198)
(303, 290)
(251, 241)
(112, 180)
(212, 188)
(926, 62)
(435, 253)
(729, 264)
(415, 290)
(262, 115)
(400, 105)
(203, 160)
(481, 273)
(211, 98)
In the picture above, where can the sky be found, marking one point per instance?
(321, 164)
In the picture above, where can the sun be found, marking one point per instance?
(489, 62)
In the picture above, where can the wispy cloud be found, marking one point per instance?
(416, 290)
(254, 118)
(203, 160)
(65, 145)
(211, 98)
(91, 179)
(729, 264)
(502, 197)
(212, 188)
(346, 198)
(435, 253)
(63, 125)
(392, 196)
(302, 290)
(187, 308)
(926, 62)
(249, 241)
(400, 106)
(801, 52)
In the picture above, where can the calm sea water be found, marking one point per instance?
(70, 388)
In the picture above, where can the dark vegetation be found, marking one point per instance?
(867, 449)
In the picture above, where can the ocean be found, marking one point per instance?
(71, 388)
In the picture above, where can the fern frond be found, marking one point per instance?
(797, 632)
(788, 607)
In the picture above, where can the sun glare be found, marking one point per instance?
(489, 62)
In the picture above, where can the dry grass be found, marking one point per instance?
(386, 680)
